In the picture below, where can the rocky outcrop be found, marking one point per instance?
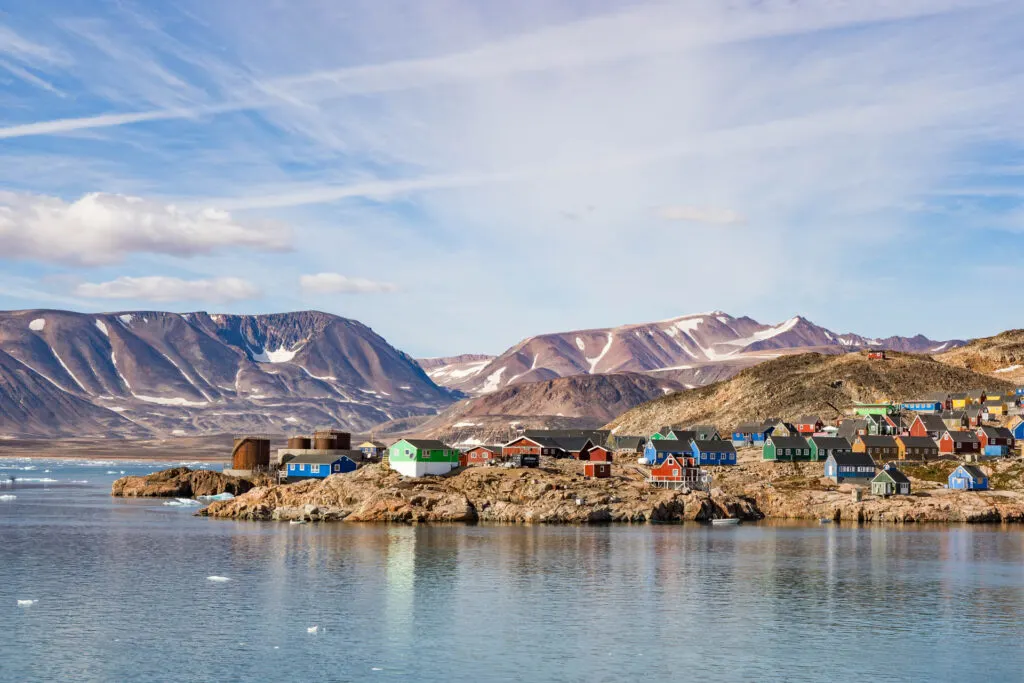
(180, 482)
(550, 495)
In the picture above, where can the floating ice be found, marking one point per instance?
(217, 579)
(312, 629)
(26, 603)
(182, 502)
(44, 480)
(7, 496)
(218, 496)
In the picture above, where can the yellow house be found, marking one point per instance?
(960, 401)
(995, 407)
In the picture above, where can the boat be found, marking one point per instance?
(297, 521)
(824, 520)
(728, 521)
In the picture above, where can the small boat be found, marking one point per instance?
(824, 520)
(728, 521)
(297, 521)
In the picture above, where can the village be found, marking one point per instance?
(864, 449)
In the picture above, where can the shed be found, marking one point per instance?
(809, 424)
(786, 448)
(597, 454)
(968, 478)
(853, 465)
(597, 470)
(890, 482)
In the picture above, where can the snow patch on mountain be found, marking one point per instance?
(37, 325)
(604, 352)
(175, 401)
(279, 355)
(102, 327)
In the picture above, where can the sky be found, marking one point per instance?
(459, 175)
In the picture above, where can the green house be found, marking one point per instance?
(824, 446)
(890, 482)
(874, 409)
(786, 448)
(422, 457)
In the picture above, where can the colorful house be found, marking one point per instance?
(533, 446)
(677, 434)
(851, 428)
(808, 424)
(930, 426)
(675, 470)
(917, 448)
(703, 433)
(422, 457)
(658, 450)
(852, 465)
(955, 419)
(890, 482)
(630, 444)
(968, 478)
(713, 452)
(786, 448)
(824, 446)
(751, 433)
(597, 454)
(777, 427)
(318, 466)
(597, 470)
(865, 409)
(922, 405)
(959, 442)
(372, 450)
(994, 407)
(480, 455)
(973, 413)
(995, 441)
(878, 447)
(1016, 427)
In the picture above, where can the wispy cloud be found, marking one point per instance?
(696, 214)
(336, 283)
(102, 228)
(167, 289)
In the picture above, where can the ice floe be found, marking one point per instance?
(182, 502)
(26, 603)
(217, 579)
(313, 629)
(7, 497)
(218, 496)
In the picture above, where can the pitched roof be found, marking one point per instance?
(573, 443)
(808, 420)
(849, 428)
(684, 435)
(715, 445)
(427, 444)
(896, 475)
(878, 441)
(918, 442)
(831, 442)
(493, 449)
(852, 458)
(996, 432)
(932, 423)
(671, 446)
(373, 444)
(789, 441)
(962, 436)
(629, 441)
(975, 471)
(952, 414)
(703, 428)
(751, 428)
(322, 458)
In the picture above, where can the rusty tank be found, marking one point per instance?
(251, 453)
(300, 443)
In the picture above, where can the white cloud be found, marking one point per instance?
(103, 228)
(162, 289)
(696, 214)
(336, 283)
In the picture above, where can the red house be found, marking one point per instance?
(597, 454)
(676, 469)
(479, 455)
(930, 426)
(959, 442)
(597, 470)
(995, 436)
(809, 424)
(876, 355)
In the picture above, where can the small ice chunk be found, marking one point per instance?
(8, 496)
(182, 502)
(313, 629)
(217, 579)
(26, 603)
(217, 496)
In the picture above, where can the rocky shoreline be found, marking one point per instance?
(558, 494)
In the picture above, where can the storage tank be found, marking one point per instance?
(251, 453)
(300, 443)
(325, 441)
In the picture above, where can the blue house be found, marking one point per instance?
(319, 466)
(751, 433)
(1018, 430)
(1019, 391)
(922, 406)
(717, 452)
(968, 478)
(657, 450)
(841, 466)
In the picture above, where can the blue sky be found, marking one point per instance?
(460, 175)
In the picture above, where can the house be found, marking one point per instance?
(864, 409)
(678, 434)
(968, 478)
(597, 454)
(890, 482)
(1016, 427)
(824, 446)
(809, 424)
(596, 436)
(959, 442)
(704, 433)
(922, 405)
(320, 465)
(995, 441)
(480, 455)
(977, 396)
(675, 470)
(544, 445)
(422, 457)
(630, 444)
(372, 450)
(750, 433)
(955, 419)
(1019, 391)
(597, 470)
(713, 452)
(658, 450)
(573, 446)
(777, 427)
(994, 407)
(850, 429)
(786, 448)
(876, 355)
(878, 447)
(842, 466)
(930, 426)
(917, 448)
(973, 413)
(884, 424)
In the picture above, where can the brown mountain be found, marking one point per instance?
(692, 349)
(794, 385)
(1001, 356)
(150, 371)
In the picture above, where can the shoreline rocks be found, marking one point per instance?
(180, 482)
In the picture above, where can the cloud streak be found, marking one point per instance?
(163, 289)
(336, 283)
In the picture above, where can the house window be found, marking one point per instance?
(315, 469)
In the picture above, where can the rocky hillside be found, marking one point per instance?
(694, 349)
(151, 372)
(578, 402)
(793, 385)
(1001, 356)
(448, 371)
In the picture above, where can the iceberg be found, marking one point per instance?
(26, 603)
(218, 496)
(182, 502)
(7, 496)
(217, 579)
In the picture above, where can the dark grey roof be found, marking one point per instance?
(962, 436)
(831, 442)
(324, 458)
(808, 420)
(789, 441)
(896, 475)
(972, 411)
(702, 428)
(849, 428)
(751, 428)
(853, 459)
(975, 471)
(493, 449)
(573, 443)
(932, 423)
(715, 446)
(428, 444)
(684, 435)
(629, 441)
(671, 446)
(994, 402)
(992, 432)
(952, 415)
(878, 441)
(918, 442)
(976, 393)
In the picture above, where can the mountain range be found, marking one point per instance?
(693, 350)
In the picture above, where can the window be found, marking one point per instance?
(315, 469)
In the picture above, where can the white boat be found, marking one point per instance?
(728, 521)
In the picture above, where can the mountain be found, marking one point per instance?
(692, 349)
(579, 401)
(795, 385)
(1001, 356)
(451, 369)
(151, 372)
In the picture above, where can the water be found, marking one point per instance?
(122, 595)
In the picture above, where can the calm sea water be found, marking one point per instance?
(122, 594)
